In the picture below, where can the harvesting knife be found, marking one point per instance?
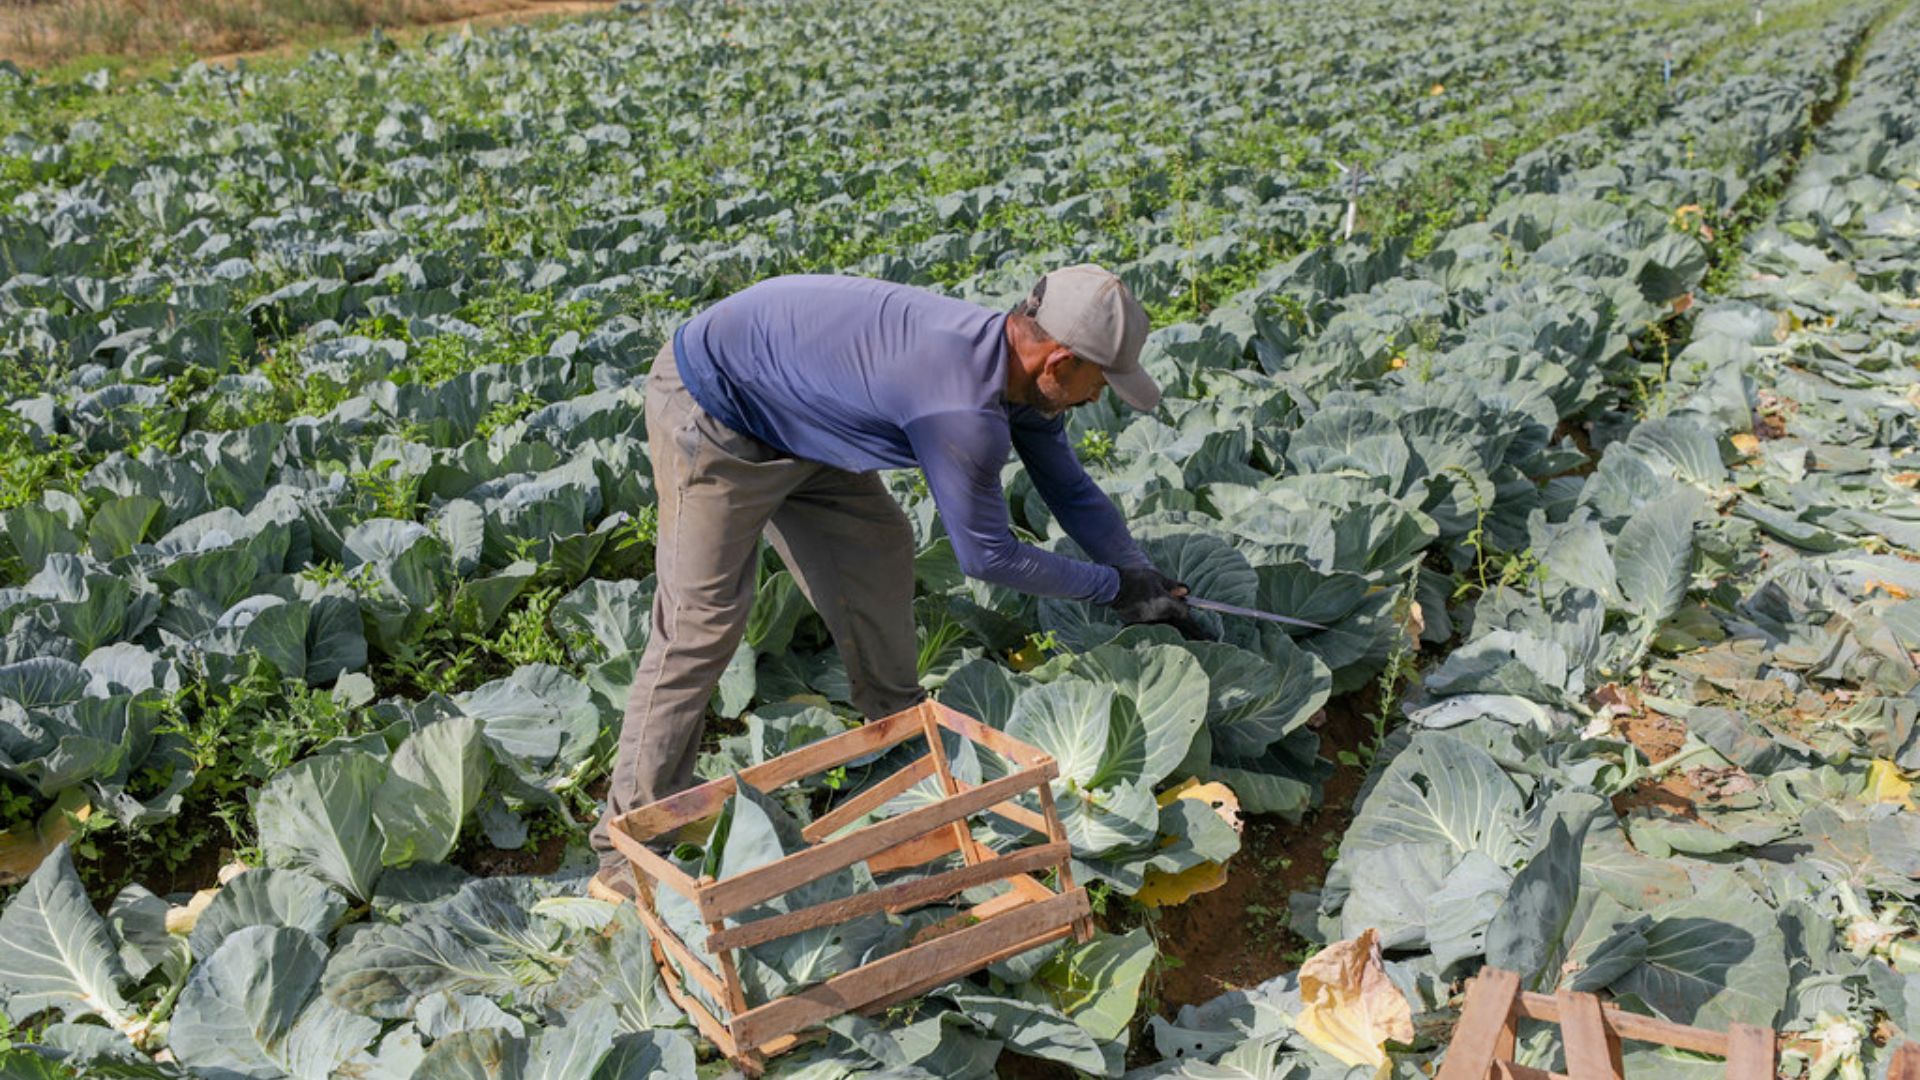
(1249, 613)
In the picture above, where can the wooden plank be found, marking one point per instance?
(1634, 1026)
(753, 1062)
(697, 802)
(749, 1061)
(992, 738)
(985, 909)
(709, 1025)
(643, 862)
(1505, 1043)
(923, 985)
(1020, 815)
(1591, 1053)
(1509, 1038)
(1752, 1053)
(943, 959)
(1050, 814)
(970, 848)
(914, 852)
(667, 973)
(896, 897)
(818, 757)
(1024, 885)
(1616, 1055)
(865, 802)
(1487, 1012)
(785, 1043)
(736, 995)
(756, 886)
(1906, 1062)
(680, 808)
(1006, 901)
(701, 973)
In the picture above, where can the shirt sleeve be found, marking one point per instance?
(962, 454)
(1084, 511)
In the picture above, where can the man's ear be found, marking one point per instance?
(1059, 360)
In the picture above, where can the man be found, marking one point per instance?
(772, 410)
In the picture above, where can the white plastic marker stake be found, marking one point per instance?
(1351, 181)
(1666, 67)
(1758, 13)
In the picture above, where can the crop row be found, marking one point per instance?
(1708, 822)
(496, 452)
(175, 272)
(407, 613)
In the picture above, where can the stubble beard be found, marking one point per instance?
(1052, 399)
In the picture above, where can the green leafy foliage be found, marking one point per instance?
(326, 512)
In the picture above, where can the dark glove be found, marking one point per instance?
(1148, 596)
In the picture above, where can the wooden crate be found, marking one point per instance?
(1591, 1032)
(1028, 915)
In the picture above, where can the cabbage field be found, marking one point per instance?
(1563, 360)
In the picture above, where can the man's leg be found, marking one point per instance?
(716, 490)
(850, 547)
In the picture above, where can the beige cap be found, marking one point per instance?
(1091, 311)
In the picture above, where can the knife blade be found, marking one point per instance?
(1250, 613)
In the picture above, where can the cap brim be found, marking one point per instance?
(1136, 388)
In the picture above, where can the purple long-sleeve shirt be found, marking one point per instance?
(863, 375)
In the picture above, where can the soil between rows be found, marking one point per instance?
(1237, 936)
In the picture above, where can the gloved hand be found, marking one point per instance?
(1148, 596)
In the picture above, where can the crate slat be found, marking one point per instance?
(941, 959)
(677, 949)
(1018, 815)
(969, 848)
(867, 801)
(756, 886)
(736, 1001)
(705, 799)
(709, 1025)
(702, 1018)
(1752, 1053)
(1050, 815)
(817, 757)
(640, 857)
(1593, 1052)
(1635, 1026)
(1476, 1038)
(986, 959)
(913, 853)
(898, 896)
(1031, 889)
(992, 738)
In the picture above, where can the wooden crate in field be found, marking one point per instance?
(1591, 1033)
(1027, 915)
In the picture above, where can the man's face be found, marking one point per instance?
(1066, 381)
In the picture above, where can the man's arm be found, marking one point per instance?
(961, 454)
(1085, 511)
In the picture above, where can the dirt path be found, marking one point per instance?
(1237, 936)
(484, 13)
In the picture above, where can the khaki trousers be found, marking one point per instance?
(846, 541)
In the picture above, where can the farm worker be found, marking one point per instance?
(773, 410)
